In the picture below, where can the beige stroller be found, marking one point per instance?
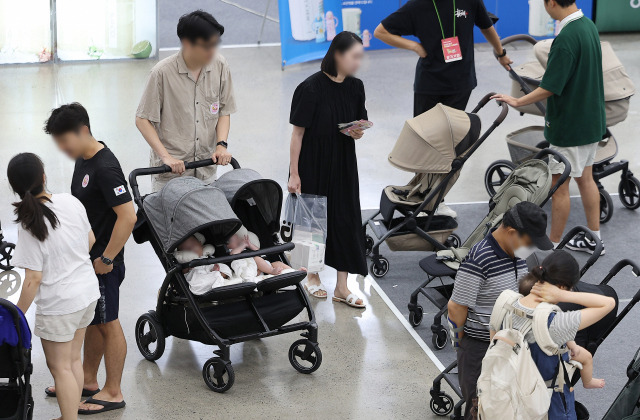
(526, 142)
(434, 145)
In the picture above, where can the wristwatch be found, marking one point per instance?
(223, 144)
(504, 52)
(105, 260)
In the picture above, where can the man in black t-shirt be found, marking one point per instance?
(98, 182)
(436, 23)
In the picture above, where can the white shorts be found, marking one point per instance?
(578, 156)
(62, 328)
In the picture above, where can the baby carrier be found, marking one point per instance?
(16, 401)
(531, 181)
(233, 313)
(526, 142)
(511, 386)
(434, 146)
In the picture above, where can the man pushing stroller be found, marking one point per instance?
(575, 120)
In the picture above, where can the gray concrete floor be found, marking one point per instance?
(372, 367)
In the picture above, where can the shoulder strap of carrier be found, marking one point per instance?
(541, 329)
(503, 310)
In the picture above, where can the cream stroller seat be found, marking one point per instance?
(434, 146)
(526, 142)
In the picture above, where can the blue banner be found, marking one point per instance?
(307, 27)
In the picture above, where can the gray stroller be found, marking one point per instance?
(233, 313)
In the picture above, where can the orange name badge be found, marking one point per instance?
(451, 49)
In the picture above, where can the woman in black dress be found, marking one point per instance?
(323, 160)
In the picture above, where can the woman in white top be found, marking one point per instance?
(54, 238)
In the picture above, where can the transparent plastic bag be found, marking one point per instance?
(305, 223)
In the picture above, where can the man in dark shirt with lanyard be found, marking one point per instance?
(98, 182)
(441, 25)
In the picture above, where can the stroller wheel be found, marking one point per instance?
(496, 174)
(6, 252)
(305, 356)
(453, 241)
(218, 374)
(439, 338)
(629, 189)
(149, 336)
(415, 316)
(368, 245)
(380, 269)
(606, 206)
(441, 405)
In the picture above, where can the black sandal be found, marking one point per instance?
(85, 392)
(106, 406)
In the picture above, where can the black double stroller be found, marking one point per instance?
(233, 313)
(16, 401)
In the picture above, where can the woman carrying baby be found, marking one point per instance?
(552, 282)
(54, 239)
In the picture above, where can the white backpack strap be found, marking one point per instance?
(501, 316)
(541, 329)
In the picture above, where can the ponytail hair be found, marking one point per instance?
(26, 177)
(559, 269)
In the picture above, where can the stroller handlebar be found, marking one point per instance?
(565, 173)
(516, 38)
(485, 100)
(133, 181)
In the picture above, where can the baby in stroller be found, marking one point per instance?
(256, 268)
(577, 353)
(206, 277)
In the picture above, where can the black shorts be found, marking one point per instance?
(109, 301)
(423, 102)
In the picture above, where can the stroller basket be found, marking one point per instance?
(404, 239)
(523, 144)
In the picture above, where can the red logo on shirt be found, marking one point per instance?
(85, 181)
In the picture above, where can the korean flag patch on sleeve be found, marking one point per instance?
(119, 190)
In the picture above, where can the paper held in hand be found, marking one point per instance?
(346, 128)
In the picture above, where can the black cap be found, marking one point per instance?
(531, 220)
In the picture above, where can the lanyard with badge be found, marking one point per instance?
(450, 46)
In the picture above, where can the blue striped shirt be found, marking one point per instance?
(486, 272)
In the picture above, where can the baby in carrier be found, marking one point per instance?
(577, 353)
(256, 268)
(206, 277)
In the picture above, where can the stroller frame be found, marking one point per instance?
(441, 403)
(380, 265)
(6, 252)
(221, 363)
(439, 295)
(629, 186)
(19, 369)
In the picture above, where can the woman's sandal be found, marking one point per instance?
(314, 289)
(350, 300)
(85, 392)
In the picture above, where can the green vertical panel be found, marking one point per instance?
(618, 15)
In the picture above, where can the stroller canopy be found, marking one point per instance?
(256, 201)
(185, 206)
(431, 141)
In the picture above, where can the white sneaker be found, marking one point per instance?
(444, 210)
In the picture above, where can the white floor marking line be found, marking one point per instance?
(406, 325)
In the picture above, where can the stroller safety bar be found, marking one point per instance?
(133, 181)
(596, 252)
(563, 177)
(228, 258)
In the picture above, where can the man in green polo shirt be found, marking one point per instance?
(575, 120)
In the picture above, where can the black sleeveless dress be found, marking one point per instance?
(328, 165)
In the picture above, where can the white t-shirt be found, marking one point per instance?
(69, 283)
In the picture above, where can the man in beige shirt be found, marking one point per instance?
(184, 113)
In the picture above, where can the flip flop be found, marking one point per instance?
(350, 300)
(85, 392)
(315, 288)
(106, 406)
